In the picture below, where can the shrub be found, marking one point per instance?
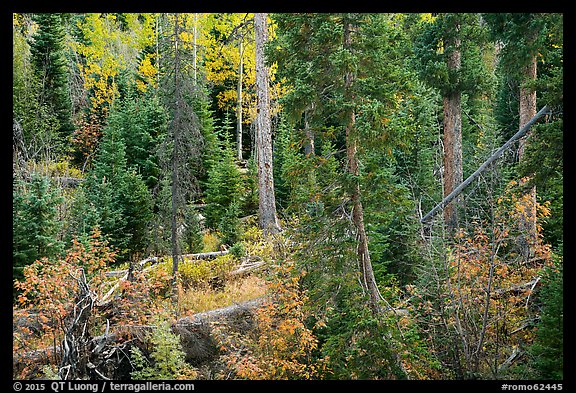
(167, 358)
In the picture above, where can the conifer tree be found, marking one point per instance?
(223, 190)
(35, 125)
(35, 224)
(355, 58)
(530, 61)
(49, 58)
(142, 121)
(447, 60)
(120, 197)
(547, 351)
(182, 149)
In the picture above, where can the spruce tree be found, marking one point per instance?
(48, 51)
(448, 60)
(223, 190)
(35, 224)
(355, 84)
(122, 201)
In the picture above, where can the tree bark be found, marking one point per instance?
(452, 136)
(239, 103)
(175, 158)
(309, 149)
(527, 110)
(195, 46)
(266, 205)
(368, 279)
(527, 105)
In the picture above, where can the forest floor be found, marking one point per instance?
(219, 291)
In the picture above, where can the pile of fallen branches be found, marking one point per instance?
(81, 355)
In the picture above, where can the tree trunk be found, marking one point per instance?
(452, 137)
(175, 157)
(368, 279)
(448, 199)
(239, 104)
(527, 110)
(267, 205)
(195, 48)
(309, 146)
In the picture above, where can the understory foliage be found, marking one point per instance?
(48, 288)
(166, 356)
(281, 346)
(546, 354)
(477, 304)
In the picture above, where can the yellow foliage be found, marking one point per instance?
(204, 298)
(222, 61)
(210, 241)
(111, 51)
(148, 72)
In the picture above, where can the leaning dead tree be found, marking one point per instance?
(449, 198)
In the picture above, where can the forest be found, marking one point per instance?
(287, 196)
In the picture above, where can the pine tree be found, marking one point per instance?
(530, 64)
(35, 224)
(122, 201)
(49, 58)
(223, 190)
(354, 86)
(448, 60)
(184, 145)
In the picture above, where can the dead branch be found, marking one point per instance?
(206, 255)
(116, 273)
(485, 165)
(248, 265)
(515, 354)
(517, 288)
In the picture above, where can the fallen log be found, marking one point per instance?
(203, 255)
(206, 255)
(224, 313)
(249, 265)
(196, 335)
